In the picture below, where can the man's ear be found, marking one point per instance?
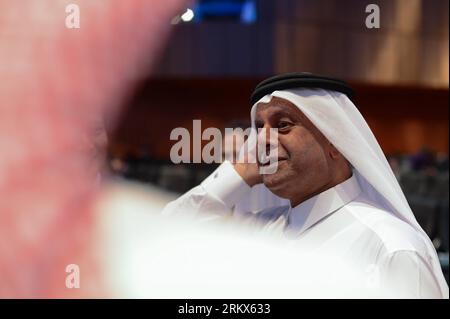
(334, 153)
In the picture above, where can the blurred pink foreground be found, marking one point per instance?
(55, 82)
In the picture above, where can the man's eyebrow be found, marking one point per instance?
(277, 111)
(284, 111)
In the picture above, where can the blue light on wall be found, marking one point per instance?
(248, 13)
(243, 11)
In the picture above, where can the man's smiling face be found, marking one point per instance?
(304, 166)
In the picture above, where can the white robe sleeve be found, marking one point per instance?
(407, 275)
(216, 195)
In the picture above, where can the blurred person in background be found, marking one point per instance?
(60, 81)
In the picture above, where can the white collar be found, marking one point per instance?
(303, 216)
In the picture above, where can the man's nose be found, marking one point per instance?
(264, 132)
(267, 139)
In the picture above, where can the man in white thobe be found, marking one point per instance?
(344, 199)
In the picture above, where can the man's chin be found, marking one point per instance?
(275, 183)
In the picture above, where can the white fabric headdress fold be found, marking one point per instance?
(338, 119)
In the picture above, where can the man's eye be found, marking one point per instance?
(283, 125)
